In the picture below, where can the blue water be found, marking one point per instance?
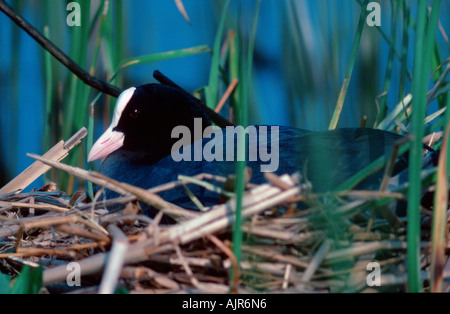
(27, 131)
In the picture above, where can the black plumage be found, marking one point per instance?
(148, 114)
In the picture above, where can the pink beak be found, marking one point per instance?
(112, 140)
(106, 144)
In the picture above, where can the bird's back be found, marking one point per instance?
(326, 159)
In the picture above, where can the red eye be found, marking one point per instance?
(134, 113)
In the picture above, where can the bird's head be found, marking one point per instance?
(144, 118)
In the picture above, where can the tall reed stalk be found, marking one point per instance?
(424, 46)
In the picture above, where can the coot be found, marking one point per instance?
(159, 132)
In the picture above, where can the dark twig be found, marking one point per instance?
(83, 74)
(58, 53)
(164, 79)
(215, 117)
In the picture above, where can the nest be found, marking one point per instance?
(294, 241)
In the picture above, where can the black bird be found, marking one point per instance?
(143, 142)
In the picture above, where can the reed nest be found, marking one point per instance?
(295, 241)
